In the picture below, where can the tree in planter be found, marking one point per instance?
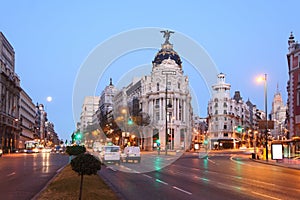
(75, 150)
(85, 164)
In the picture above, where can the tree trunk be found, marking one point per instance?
(81, 183)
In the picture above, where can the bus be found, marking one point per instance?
(31, 146)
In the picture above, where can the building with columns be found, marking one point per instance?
(106, 103)
(230, 120)
(9, 97)
(293, 88)
(159, 104)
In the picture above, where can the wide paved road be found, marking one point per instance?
(221, 176)
(22, 175)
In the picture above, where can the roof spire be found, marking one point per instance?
(291, 39)
(110, 81)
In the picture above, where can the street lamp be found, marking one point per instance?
(260, 79)
(166, 107)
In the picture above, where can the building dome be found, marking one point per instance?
(166, 54)
(167, 51)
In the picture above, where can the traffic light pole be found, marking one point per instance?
(166, 118)
(166, 107)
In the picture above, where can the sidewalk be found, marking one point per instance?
(292, 163)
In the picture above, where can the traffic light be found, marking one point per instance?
(239, 129)
(157, 142)
(78, 136)
(205, 142)
(130, 122)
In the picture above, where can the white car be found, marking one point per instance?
(110, 154)
(1, 152)
(131, 153)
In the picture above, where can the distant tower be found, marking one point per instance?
(278, 115)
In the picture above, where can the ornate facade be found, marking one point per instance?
(278, 115)
(159, 104)
(229, 118)
(9, 97)
(293, 87)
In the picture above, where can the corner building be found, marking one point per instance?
(9, 97)
(164, 99)
(293, 88)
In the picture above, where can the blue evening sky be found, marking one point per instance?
(53, 38)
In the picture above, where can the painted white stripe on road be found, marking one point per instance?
(264, 195)
(113, 169)
(211, 161)
(160, 181)
(147, 176)
(181, 190)
(11, 174)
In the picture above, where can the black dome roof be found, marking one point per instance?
(165, 54)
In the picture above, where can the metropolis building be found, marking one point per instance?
(156, 109)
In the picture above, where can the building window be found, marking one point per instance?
(178, 85)
(169, 116)
(216, 112)
(180, 111)
(169, 103)
(225, 126)
(169, 85)
(225, 134)
(216, 105)
(156, 103)
(157, 116)
(298, 97)
(157, 86)
(225, 112)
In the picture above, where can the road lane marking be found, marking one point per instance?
(237, 161)
(60, 169)
(160, 181)
(211, 161)
(11, 174)
(264, 195)
(147, 176)
(181, 190)
(111, 168)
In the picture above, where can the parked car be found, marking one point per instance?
(1, 152)
(131, 153)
